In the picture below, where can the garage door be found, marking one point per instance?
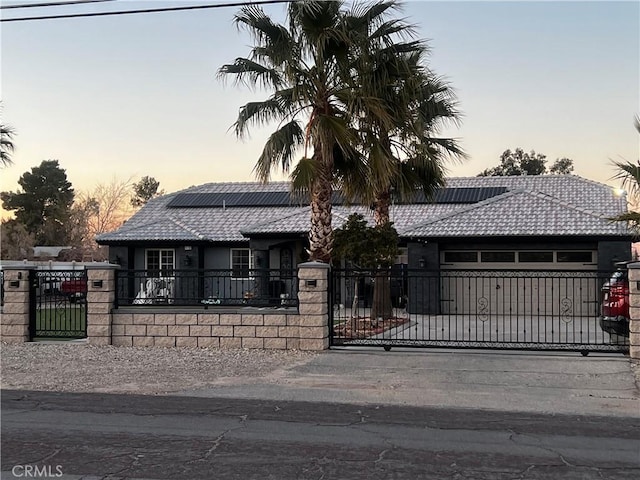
(542, 283)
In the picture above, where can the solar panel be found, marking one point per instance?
(233, 199)
(464, 194)
(285, 199)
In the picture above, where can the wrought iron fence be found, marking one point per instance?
(219, 287)
(58, 304)
(556, 310)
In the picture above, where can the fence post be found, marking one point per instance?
(101, 294)
(14, 320)
(634, 310)
(313, 305)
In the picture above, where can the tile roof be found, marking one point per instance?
(518, 213)
(533, 205)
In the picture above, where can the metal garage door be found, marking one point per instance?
(544, 283)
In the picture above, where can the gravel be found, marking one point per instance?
(79, 367)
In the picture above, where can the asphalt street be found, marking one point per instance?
(154, 437)
(346, 414)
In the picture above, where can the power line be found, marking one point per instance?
(148, 10)
(54, 4)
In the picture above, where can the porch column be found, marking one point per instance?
(634, 310)
(313, 305)
(101, 294)
(14, 321)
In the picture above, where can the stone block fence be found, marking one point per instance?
(306, 328)
(634, 310)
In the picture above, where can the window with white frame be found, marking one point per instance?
(241, 262)
(162, 261)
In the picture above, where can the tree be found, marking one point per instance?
(6, 144)
(629, 174)
(100, 210)
(17, 243)
(307, 66)
(562, 166)
(369, 248)
(145, 190)
(519, 162)
(44, 204)
(400, 144)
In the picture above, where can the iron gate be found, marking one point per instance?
(58, 306)
(526, 310)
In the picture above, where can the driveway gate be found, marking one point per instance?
(526, 310)
(58, 304)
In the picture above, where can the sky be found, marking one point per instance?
(133, 95)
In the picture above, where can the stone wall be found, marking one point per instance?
(166, 328)
(15, 311)
(305, 328)
(634, 310)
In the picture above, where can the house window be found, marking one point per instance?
(461, 257)
(498, 257)
(535, 257)
(403, 256)
(240, 262)
(575, 257)
(160, 261)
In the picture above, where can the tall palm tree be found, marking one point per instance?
(400, 142)
(400, 145)
(306, 65)
(6, 144)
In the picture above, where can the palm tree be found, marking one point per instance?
(307, 66)
(629, 174)
(6, 144)
(400, 147)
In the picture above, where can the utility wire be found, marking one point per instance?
(54, 4)
(148, 10)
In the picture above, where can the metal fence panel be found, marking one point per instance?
(58, 307)
(260, 287)
(539, 310)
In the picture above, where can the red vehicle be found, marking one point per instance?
(74, 289)
(614, 318)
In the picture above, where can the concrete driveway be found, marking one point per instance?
(563, 383)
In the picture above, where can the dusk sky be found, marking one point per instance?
(133, 95)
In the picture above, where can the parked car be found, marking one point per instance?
(75, 289)
(614, 312)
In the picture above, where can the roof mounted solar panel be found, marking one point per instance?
(285, 199)
(464, 194)
(232, 199)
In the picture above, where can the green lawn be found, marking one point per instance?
(67, 321)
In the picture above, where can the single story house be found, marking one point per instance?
(546, 222)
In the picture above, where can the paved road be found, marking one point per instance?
(536, 382)
(153, 437)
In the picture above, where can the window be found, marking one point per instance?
(160, 261)
(403, 256)
(498, 257)
(535, 257)
(240, 262)
(461, 257)
(575, 257)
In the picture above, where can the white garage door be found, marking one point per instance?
(519, 282)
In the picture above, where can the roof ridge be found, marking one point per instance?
(186, 228)
(567, 204)
(466, 208)
(299, 209)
